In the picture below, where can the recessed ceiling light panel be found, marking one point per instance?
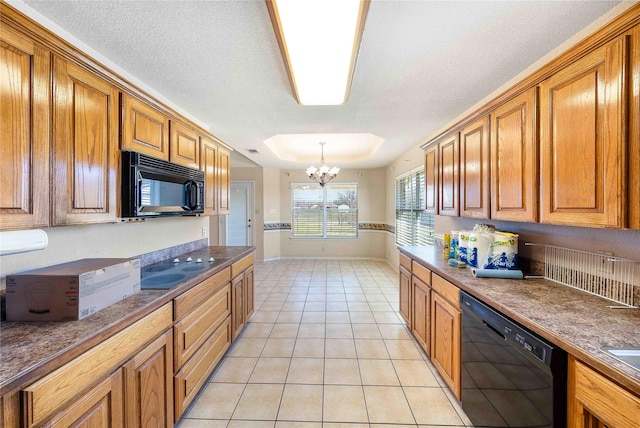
(319, 41)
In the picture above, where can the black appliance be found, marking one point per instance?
(166, 274)
(510, 376)
(153, 187)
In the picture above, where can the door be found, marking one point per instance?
(239, 228)
(85, 146)
(24, 109)
(582, 141)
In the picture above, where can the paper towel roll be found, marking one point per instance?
(497, 273)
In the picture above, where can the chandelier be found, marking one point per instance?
(324, 174)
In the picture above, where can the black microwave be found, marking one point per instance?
(154, 187)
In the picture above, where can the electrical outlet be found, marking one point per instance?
(204, 231)
(606, 265)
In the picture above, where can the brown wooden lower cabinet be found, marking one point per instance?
(596, 402)
(196, 371)
(405, 295)
(149, 385)
(101, 406)
(445, 341)
(421, 309)
(241, 294)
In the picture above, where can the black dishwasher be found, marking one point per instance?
(510, 376)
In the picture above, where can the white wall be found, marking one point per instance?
(106, 240)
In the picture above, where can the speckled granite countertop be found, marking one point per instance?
(576, 321)
(29, 350)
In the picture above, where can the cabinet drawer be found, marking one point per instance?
(611, 403)
(192, 331)
(189, 301)
(405, 262)
(189, 380)
(421, 272)
(446, 290)
(241, 265)
(45, 396)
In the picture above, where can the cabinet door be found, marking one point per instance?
(144, 129)
(514, 159)
(596, 402)
(208, 161)
(448, 176)
(248, 293)
(85, 146)
(184, 145)
(224, 180)
(237, 305)
(24, 113)
(149, 385)
(99, 407)
(431, 178)
(405, 295)
(445, 341)
(582, 141)
(633, 192)
(474, 170)
(421, 325)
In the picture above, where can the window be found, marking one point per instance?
(413, 225)
(324, 212)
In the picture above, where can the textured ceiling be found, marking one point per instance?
(421, 63)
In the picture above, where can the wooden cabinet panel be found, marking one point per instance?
(421, 313)
(10, 410)
(583, 162)
(448, 176)
(190, 300)
(208, 162)
(149, 385)
(405, 262)
(405, 295)
(431, 178)
(144, 129)
(474, 170)
(237, 302)
(446, 289)
(241, 265)
(194, 329)
(45, 396)
(223, 173)
(100, 407)
(633, 192)
(184, 145)
(514, 159)
(595, 401)
(248, 293)
(85, 146)
(195, 372)
(445, 341)
(24, 114)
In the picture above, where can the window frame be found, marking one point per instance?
(325, 224)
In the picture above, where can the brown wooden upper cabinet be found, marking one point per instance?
(184, 145)
(144, 129)
(514, 159)
(431, 178)
(633, 192)
(85, 146)
(208, 161)
(474, 169)
(223, 173)
(583, 162)
(448, 175)
(24, 107)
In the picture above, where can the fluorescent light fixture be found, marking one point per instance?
(319, 41)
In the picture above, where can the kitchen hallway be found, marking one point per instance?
(325, 347)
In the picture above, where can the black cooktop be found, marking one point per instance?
(169, 273)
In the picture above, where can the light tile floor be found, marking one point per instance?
(325, 348)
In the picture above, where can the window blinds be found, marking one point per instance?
(413, 225)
